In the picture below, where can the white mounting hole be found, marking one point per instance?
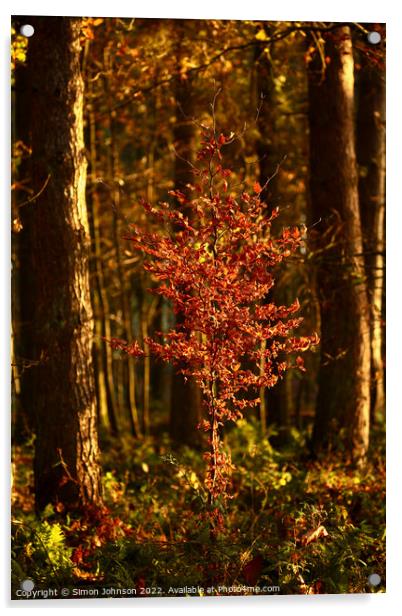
(27, 585)
(374, 579)
(374, 37)
(27, 30)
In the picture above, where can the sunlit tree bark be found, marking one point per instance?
(371, 159)
(66, 467)
(344, 380)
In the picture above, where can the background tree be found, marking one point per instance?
(370, 143)
(186, 404)
(22, 291)
(343, 401)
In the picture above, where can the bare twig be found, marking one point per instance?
(38, 194)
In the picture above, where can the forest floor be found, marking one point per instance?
(294, 525)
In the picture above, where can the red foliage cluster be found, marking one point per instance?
(213, 257)
(94, 529)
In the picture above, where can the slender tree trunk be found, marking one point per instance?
(266, 147)
(262, 391)
(66, 467)
(101, 302)
(166, 371)
(186, 400)
(128, 367)
(343, 402)
(371, 159)
(147, 317)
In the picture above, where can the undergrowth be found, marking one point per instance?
(293, 526)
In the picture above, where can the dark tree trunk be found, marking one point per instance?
(66, 467)
(266, 147)
(371, 160)
(22, 261)
(274, 402)
(343, 403)
(186, 398)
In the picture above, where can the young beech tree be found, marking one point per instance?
(216, 270)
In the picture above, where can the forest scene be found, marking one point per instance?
(198, 308)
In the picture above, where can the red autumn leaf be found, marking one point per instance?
(141, 584)
(300, 363)
(318, 587)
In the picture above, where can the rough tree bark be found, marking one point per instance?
(343, 401)
(371, 159)
(66, 467)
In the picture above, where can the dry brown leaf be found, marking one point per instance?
(313, 535)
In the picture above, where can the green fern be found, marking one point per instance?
(49, 545)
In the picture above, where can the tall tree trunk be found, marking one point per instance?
(265, 144)
(66, 467)
(21, 284)
(371, 160)
(274, 402)
(343, 401)
(186, 398)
